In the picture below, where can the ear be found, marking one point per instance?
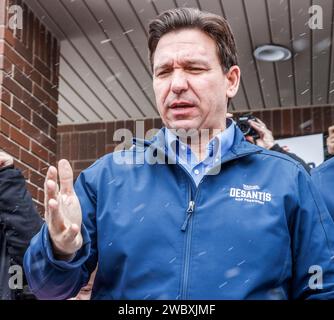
(233, 81)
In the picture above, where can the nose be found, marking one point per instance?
(179, 82)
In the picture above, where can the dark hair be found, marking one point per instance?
(215, 26)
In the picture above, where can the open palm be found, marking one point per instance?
(62, 211)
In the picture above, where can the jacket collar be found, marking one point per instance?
(239, 148)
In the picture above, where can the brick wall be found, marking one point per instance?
(83, 144)
(29, 70)
(298, 121)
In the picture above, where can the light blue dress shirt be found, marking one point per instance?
(217, 147)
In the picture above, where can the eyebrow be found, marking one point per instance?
(185, 62)
(162, 66)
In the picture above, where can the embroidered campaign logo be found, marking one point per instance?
(250, 193)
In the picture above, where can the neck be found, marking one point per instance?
(198, 143)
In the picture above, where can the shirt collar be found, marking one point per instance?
(221, 142)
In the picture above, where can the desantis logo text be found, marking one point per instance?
(250, 194)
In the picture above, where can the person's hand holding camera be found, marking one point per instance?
(266, 139)
(330, 140)
(5, 160)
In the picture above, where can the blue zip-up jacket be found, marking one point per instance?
(323, 178)
(256, 230)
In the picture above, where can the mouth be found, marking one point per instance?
(182, 109)
(181, 105)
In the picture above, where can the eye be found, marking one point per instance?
(162, 73)
(196, 69)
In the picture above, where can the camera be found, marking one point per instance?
(245, 127)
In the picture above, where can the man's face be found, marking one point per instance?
(190, 86)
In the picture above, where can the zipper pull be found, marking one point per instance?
(190, 210)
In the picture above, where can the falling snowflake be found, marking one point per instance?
(172, 260)
(223, 285)
(139, 207)
(128, 31)
(105, 41)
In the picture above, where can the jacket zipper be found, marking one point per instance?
(190, 210)
(187, 227)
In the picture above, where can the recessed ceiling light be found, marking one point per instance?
(272, 53)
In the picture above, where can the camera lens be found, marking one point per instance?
(244, 127)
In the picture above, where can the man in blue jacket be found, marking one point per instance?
(186, 215)
(323, 178)
(323, 175)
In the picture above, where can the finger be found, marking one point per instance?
(55, 219)
(262, 131)
(51, 175)
(256, 126)
(229, 115)
(260, 122)
(51, 190)
(50, 184)
(65, 177)
(256, 123)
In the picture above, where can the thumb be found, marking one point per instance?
(73, 231)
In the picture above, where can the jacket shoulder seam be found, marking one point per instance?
(277, 154)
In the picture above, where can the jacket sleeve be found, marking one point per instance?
(312, 241)
(18, 216)
(323, 178)
(49, 278)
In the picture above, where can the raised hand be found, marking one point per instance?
(62, 211)
(266, 139)
(330, 140)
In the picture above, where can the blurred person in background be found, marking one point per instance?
(330, 143)
(323, 175)
(265, 139)
(19, 222)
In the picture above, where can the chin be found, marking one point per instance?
(183, 124)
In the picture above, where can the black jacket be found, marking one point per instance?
(19, 222)
(278, 148)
